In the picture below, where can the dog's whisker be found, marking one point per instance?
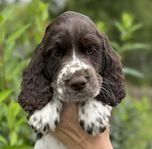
(108, 91)
(104, 89)
(108, 81)
(43, 90)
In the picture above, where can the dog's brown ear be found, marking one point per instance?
(35, 88)
(113, 86)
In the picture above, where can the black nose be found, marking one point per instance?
(78, 83)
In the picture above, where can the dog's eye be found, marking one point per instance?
(58, 53)
(89, 51)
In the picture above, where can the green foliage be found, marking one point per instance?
(12, 126)
(127, 28)
(11, 66)
(14, 30)
(131, 124)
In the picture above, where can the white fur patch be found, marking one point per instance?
(46, 118)
(70, 68)
(49, 142)
(94, 116)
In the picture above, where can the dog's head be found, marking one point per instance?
(74, 61)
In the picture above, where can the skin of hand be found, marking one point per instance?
(73, 136)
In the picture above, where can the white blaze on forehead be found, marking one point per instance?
(74, 56)
(77, 64)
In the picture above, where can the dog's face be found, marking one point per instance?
(74, 61)
(73, 48)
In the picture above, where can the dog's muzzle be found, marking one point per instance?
(77, 81)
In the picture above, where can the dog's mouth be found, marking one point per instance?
(70, 96)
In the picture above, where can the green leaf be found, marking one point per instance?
(17, 34)
(4, 94)
(119, 26)
(6, 14)
(11, 114)
(8, 52)
(127, 20)
(2, 36)
(100, 25)
(21, 121)
(3, 140)
(134, 46)
(13, 138)
(133, 72)
(15, 68)
(1, 18)
(135, 27)
(17, 147)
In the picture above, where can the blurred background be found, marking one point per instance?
(128, 25)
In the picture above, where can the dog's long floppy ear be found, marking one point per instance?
(35, 87)
(113, 86)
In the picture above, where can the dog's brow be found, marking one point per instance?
(90, 39)
(56, 38)
(91, 36)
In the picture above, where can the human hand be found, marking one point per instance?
(71, 134)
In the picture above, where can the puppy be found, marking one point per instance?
(73, 63)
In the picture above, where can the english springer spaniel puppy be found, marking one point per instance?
(73, 63)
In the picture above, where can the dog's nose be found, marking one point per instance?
(78, 83)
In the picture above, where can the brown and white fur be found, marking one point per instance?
(73, 63)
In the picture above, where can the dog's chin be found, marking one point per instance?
(76, 96)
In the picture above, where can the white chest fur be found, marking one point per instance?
(49, 142)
